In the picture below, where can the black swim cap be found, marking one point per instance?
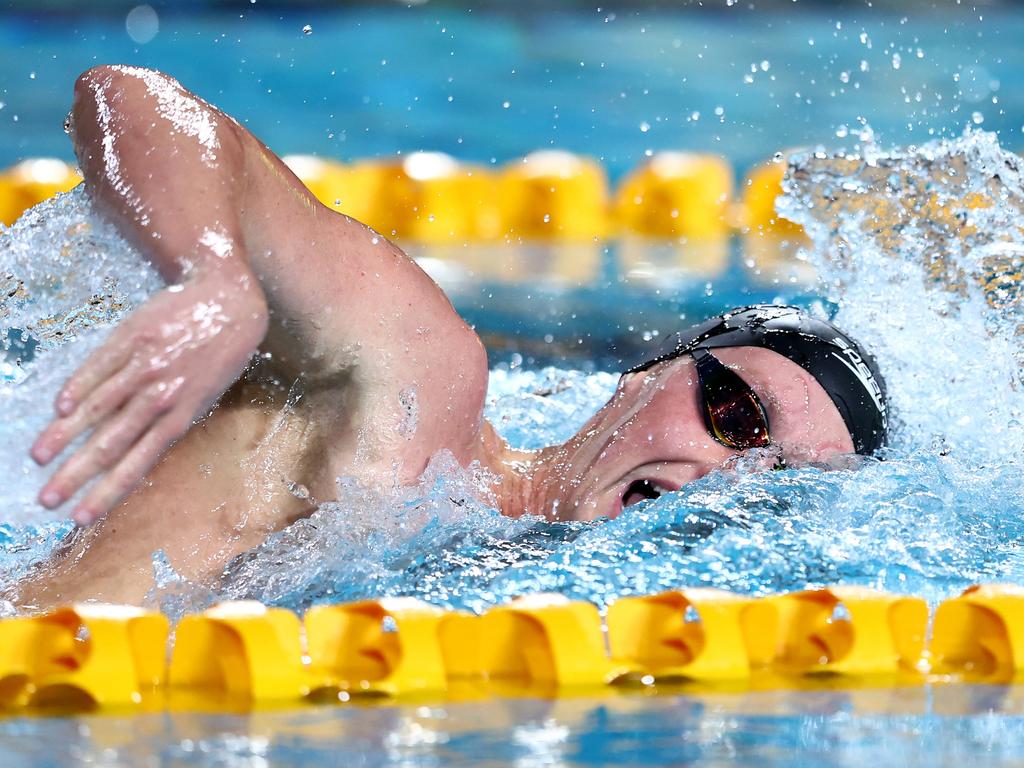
(846, 372)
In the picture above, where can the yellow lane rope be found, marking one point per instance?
(550, 195)
(104, 655)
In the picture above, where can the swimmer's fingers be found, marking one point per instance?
(97, 368)
(104, 400)
(108, 444)
(120, 481)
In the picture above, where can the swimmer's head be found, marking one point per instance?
(766, 377)
(847, 373)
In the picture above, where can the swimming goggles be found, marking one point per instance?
(733, 414)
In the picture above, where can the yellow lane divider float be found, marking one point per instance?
(677, 194)
(980, 633)
(546, 196)
(107, 654)
(31, 182)
(101, 655)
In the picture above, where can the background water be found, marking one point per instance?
(740, 79)
(902, 260)
(830, 730)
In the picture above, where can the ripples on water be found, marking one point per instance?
(919, 248)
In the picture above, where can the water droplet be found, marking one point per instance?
(142, 24)
(645, 127)
(977, 118)
(307, 30)
(897, 60)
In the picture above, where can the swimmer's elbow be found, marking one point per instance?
(110, 100)
(126, 102)
(108, 88)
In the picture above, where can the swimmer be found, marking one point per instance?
(294, 345)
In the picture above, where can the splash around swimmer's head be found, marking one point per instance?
(847, 373)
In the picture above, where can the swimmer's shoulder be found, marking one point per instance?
(375, 341)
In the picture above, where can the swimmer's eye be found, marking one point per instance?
(641, 490)
(733, 414)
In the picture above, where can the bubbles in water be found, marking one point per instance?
(975, 83)
(307, 30)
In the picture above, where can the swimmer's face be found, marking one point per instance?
(651, 436)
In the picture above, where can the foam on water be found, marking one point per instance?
(919, 249)
(923, 251)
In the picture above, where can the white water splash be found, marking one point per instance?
(923, 250)
(67, 277)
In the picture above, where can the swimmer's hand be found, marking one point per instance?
(161, 369)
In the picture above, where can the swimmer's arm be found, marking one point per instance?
(163, 166)
(205, 199)
(219, 214)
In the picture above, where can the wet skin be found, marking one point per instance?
(363, 369)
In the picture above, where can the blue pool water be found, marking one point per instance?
(743, 80)
(943, 510)
(830, 730)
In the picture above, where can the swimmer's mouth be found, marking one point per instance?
(644, 489)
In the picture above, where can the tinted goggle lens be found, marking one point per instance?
(732, 412)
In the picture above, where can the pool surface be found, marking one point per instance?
(828, 729)
(491, 84)
(919, 262)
